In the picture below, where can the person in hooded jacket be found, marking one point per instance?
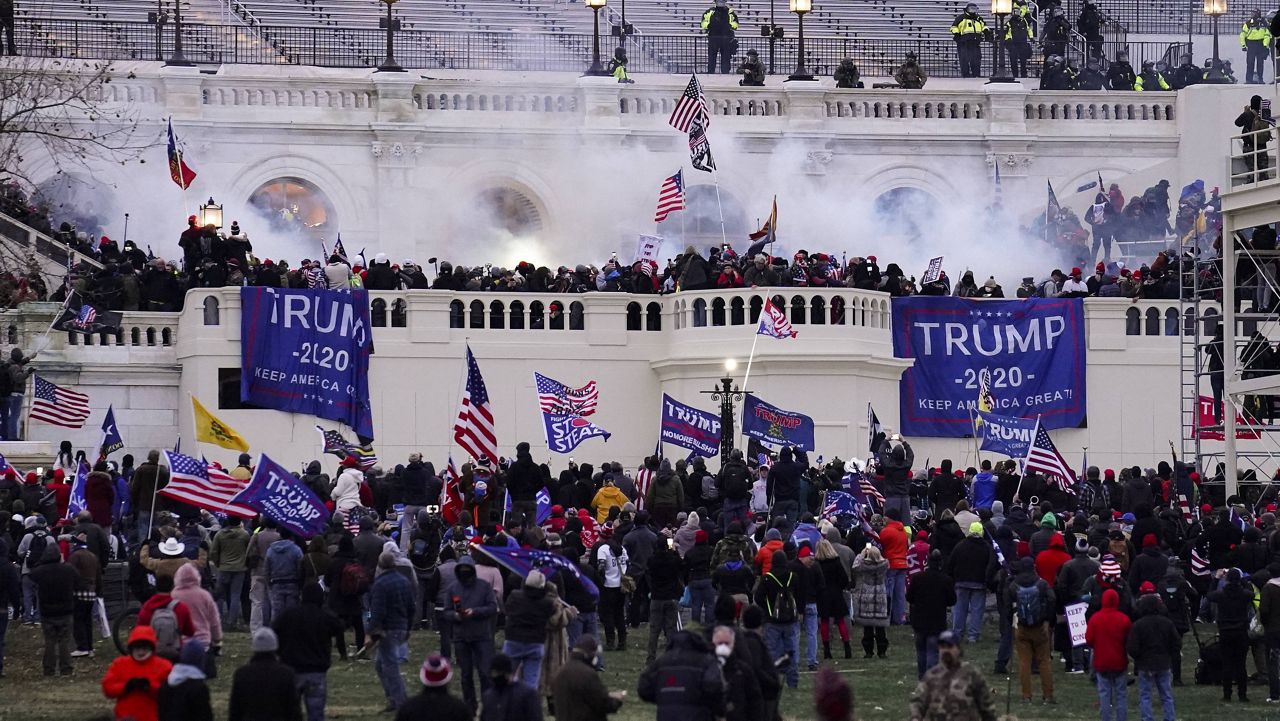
(968, 566)
(1120, 75)
(784, 485)
(1153, 642)
(184, 696)
(685, 682)
(945, 489)
(734, 483)
(1107, 634)
(1234, 604)
(983, 488)
(1034, 605)
(134, 679)
(665, 497)
(306, 633)
(895, 458)
(931, 593)
(381, 276)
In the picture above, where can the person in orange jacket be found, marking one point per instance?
(134, 680)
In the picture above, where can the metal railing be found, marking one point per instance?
(1251, 158)
(363, 47)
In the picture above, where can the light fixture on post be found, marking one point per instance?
(211, 214)
(391, 24)
(774, 32)
(1002, 9)
(800, 7)
(1215, 9)
(178, 58)
(596, 68)
(727, 395)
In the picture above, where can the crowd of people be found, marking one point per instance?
(751, 553)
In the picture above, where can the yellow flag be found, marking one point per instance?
(211, 430)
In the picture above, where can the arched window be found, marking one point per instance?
(699, 223)
(378, 313)
(757, 305)
(1188, 321)
(818, 310)
(166, 337)
(135, 336)
(211, 315)
(517, 315)
(151, 336)
(717, 312)
(577, 321)
(1133, 322)
(497, 315)
(1153, 322)
(653, 317)
(633, 316)
(12, 334)
(1171, 321)
(903, 214)
(293, 206)
(536, 321)
(799, 310)
(700, 313)
(837, 310)
(477, 314)
(556, 311)
(399, 314)
(737, 311)
(457, 314)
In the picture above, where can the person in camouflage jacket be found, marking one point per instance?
(952, 690)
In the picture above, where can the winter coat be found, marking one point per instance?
(136, 704)
(200, 604)
(1269, 608)
(100, 497)
(970, 560)
(1153, 639)
(685, 682)
(391, 603)
(665, 491)
(147, 479)
(580, 694)
(185, 700)
(527, 611)
(831, 599)
(346, 491)
(306, 632)
(435, 704)
(895, 462)
(264, 689)
(984, 490)
(230, 550)
(930, 594)
(607, 498)
(513, 701)
(894, 539)
(870, 603)
(1150, 565)
(733, 546)
(1107, 634)
(477, 596)
(764, 557)
(1234, 602)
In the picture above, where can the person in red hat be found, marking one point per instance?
(1150, 564)
(346, 490)
(1074, 287)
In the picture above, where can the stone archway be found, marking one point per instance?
(294, 206)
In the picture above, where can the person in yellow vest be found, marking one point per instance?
(1150, 78)
(719, 23)
(969, 31)
(1255, 41)
(1019, 33)
(618, 66)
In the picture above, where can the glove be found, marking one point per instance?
(137, 684)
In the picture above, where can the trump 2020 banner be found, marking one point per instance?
(307, 351)
(1005, 435)
(690, 428)
(1034, 350)
(276, 494)
(771, 424)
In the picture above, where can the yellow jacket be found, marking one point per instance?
(607, 498)
(965, 26)
(1249, 31)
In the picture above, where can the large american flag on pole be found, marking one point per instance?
(691, 106)
(195, 482)
(474, 430)
(670, 197)
(1044, 457)
(557, 398)
(58, 406)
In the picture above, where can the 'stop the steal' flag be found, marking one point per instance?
(773, 322)
(773, 425)
(307, 351)
(690, 428)
(1033, 349)
(276, 494)
(565, 432)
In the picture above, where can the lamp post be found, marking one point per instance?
(211, 214)
(800, 7)
(389, 64)
(728, 395)
(178, 58)
(1215, 9)
(1001, 9)
(596, 68)
(773, 31)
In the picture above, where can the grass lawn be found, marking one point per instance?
(881, 687)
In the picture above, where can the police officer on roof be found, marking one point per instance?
(719, 22)
(969, 31)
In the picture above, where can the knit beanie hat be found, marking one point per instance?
(436, 671)
(1110, 568)
(535, 579)
(264, 641)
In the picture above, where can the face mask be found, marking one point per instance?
(724, 650)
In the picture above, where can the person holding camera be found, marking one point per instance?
(719, 23)
(752, 71)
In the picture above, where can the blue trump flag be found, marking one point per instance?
(1033, 349)
(690, 428)
(771, 424)
(564, 433)
(543, 499)
(1005, 435)
(521, 561)
(77, 503)
(111, 440)
(840, 503)
(307, 351)
(276, 494)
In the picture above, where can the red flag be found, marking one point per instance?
(178, 170)
(450, 495)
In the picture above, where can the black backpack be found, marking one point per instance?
(786, 599)
(39, 541)
(1209, 666)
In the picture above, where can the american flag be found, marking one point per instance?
(1199, 565)
(450, 494)
(691, 106)
(840, 503)
(670, 197)
(203, 486)
(335, 444)
(1185, 507)
(870, 491)
(773, 322)
(555, 397)
(986, 401)
(1043, 456)
(644, 477)
(700, 149)
(58, 406)
(474, 430)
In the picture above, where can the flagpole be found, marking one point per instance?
(977, 449)
(1034, 432)
(747, 376)
(715, 178)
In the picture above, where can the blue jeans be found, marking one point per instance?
(313, 688)
(703, 596)
(895, 587)
(284, 596)
(926, 653)
(789, 510)
(12, 409)
(1113, 696)
(227, 592)
(1004, 651)
(584, 625)
(393, 650)
(30, 601)
(810, 625)
(4, 628)
(1162, 681)
(902, 503)
(970, 603)
(784, 639)
(735, 511)
(473, 662)
(528, 657)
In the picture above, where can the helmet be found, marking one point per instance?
(971, 8)
(911, 55)
(1147, 65)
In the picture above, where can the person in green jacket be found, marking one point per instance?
(618, 66)
(1150, 79)
(227, 556)
(1255, 41)
(719, 23)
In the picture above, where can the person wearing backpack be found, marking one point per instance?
(776, 594)
(347, 583)
(871, 600)
(1033, 606)
(283, 561)
(169, 618)
(734, 481)
(30, 551)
